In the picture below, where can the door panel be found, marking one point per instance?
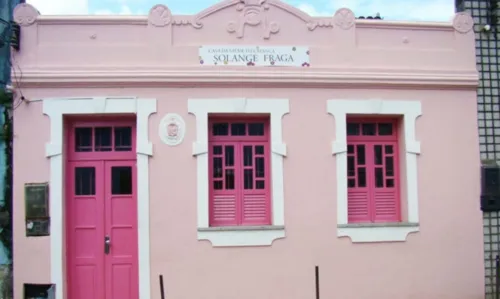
(121, 227)
(86, 228)
(102, 203)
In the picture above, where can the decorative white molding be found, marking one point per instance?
(376, 234)
(172, 129)
(185, 76)
(56, 109)
(463, 22)
(410, 110)
(242, 236)
(276, 108)
(312, 22)
(344, 18)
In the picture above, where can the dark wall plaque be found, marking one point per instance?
(36, 198)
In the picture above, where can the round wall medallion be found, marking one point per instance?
(159, 15)
(463, 22)
(25, 14)
(172, 129)
(344, 18)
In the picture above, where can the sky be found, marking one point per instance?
(401, 10)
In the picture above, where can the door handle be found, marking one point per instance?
(107, 244)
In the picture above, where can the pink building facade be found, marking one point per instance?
(248, 151)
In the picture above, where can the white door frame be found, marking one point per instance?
(56, 109)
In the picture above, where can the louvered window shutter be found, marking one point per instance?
(255, 184)
(223, 189)
(385, 192)
(358, 194)
(372, 172)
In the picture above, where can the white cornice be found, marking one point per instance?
(313, 77)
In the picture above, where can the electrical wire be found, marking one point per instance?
(13, 65)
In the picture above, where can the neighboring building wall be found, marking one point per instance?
(488, 65)
(6, 9)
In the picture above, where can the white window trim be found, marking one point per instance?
(56, 109)
(410, 110)
(240, 236)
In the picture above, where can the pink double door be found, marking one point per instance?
(101, 227)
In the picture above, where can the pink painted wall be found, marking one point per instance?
(431, 63)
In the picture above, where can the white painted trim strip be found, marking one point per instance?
(56, 108)
(186, 76)
(276, 108)
(410, 110)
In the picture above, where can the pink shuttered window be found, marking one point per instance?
(372, 171)
(239, 172)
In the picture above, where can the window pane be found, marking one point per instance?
(229, 179)
(248, 178)
(385, 129)
(217, 150)
(102, 139)
(218, 185)
(220, 129)
(361, 177)
(260, 185)
(229, 155)
(360, 155)
(247, 155)
(388, 149)
(352, 129)
(84, 180)
(351, 183)
(121, 180)
(217, 167)
(350, 166)
(378, 154)
(389, 183)
(123, 139)
(379, 177)
(350, 149)
(389, 166)
(259, 150)
(491, 180)
(256, 129)
(259, 167)
(369, 129)
(238, 129)
(83, 139)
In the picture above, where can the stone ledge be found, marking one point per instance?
(241, 236)
(384, 224)
(241, 228)
(396, 232)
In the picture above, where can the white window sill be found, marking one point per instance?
(232, 236)
(377, 232)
